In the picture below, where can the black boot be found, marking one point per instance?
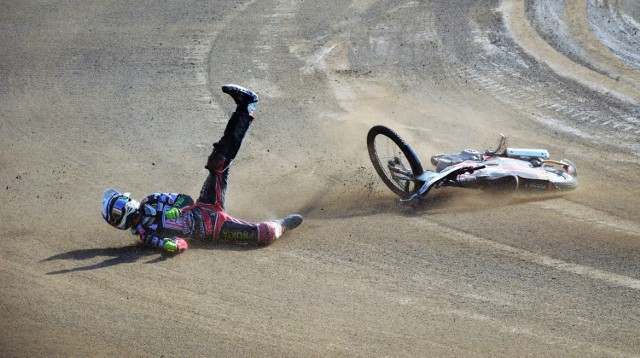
(246, 100)
(290, 222)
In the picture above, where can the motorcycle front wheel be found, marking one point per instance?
(390, 154)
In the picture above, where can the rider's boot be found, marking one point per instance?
(246, 100)
(287, 223)
(291, 222)
(269, 231)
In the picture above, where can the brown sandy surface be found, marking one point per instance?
(127, 94)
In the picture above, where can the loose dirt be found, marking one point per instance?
(127, 95)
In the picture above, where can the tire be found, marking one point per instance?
(385, 145)
(562, 181)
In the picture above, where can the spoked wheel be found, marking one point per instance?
(394, 160)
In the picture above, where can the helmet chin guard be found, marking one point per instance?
(118, 209)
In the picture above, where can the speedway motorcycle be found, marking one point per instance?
(501, 169)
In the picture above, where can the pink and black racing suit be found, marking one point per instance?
(206, 218)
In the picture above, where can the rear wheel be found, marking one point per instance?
(563, 179)
(394, 160)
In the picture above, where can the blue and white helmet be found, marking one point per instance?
(118, 209)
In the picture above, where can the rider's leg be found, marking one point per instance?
(264, 233)
(225, 150)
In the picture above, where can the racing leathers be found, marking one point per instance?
(167, 219)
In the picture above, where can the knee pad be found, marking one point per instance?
(216, 161)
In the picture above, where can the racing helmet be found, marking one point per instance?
(118, 209)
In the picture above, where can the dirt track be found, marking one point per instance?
(127, 94)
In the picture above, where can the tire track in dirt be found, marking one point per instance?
(515, 79)
(543, 260)
(615, 23)
(567, 27)
(550, 339)
(197, 55)
(586, 214)
(528, 39)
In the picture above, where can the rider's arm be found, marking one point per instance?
(175, 245)
(155, 206)
(170, 203)
(172, 200)
(172, 245)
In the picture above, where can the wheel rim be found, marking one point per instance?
(387, 150)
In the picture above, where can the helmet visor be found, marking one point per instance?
(118, 208)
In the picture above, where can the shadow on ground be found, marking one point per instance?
(133, 253)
